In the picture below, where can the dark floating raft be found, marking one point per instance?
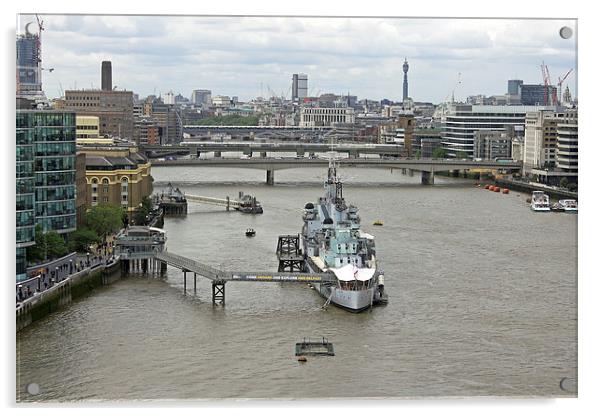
(309, 347)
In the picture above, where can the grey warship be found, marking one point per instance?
(332, 241)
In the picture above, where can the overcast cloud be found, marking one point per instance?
(234, 55)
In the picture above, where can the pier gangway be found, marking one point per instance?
(220, 277)
(224, 202)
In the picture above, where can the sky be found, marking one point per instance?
(244, 56)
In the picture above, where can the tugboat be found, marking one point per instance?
(332, 241)
(378, 222)
(250, 232)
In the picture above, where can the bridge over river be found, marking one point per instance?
(428, 167)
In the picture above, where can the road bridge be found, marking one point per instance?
(427, 166)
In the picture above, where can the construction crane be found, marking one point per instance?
(545, 73)
(560, 81)
(453, 91)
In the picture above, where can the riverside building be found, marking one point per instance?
(116, 174)
(45, 176)
(462, 121)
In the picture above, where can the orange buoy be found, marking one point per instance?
(496, 189)
(492, 188)
(505, 191)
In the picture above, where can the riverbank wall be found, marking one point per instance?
(65, 292)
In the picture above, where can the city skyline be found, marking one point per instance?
(244, 55)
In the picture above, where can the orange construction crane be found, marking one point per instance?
(546, 82)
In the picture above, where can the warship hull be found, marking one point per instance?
(350, 300)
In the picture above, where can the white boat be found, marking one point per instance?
(540, 201)
(568, 205)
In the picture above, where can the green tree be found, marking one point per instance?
(142, 211)
(82, 238)
(564, 182)
(461, 155)
(104, 219)
(48, 245)
(417, 154)
(439, 153)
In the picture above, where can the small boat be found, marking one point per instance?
(568, 205)
(378, 222)
(496, 189)
(556, 207)
(250, 232)
(487, 186)
(505, 191)
(540, 201)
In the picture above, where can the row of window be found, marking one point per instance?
(55, 193)
(27, 119)
(55, 179)
(46, 134)
(57, 223)
(53, 164)
(44, 209)
(55, 149)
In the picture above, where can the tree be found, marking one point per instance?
(564, 182)
(142, 211)
(82, 238)
(48, 245)
(417, 154)
(104, 219)
(461, 155)
(439, 153)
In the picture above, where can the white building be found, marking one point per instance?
(169, 98)
(221, 101)
(540, 139)
(462, 120)
(320, 116)
(567, 144)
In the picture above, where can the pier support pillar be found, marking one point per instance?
(263, 154)
(217, 154)
(455, 173)
(144, 265)
(184, 281)
(163, 268)
(269, 177)
(428, 178)
(465, 173)
(410, 173)
(227, 203)
(195, 283)
(218, 292)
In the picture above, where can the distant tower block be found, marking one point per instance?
(106, 76)
(405, 79)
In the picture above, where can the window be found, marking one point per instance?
(105, 185)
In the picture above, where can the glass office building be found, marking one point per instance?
(45, 176)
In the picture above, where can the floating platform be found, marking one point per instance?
(309, 347)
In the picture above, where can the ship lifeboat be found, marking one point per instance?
(492, 188)
(505, 191)
(378, 222)
(496, 189)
